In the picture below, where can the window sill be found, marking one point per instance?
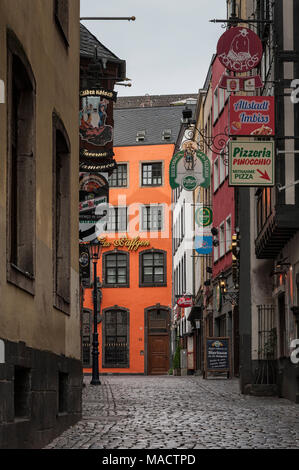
(115, 286)
(21, 279)
(164, 284)
(61, 304)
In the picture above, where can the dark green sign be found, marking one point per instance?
(180, 173)
(204, 216)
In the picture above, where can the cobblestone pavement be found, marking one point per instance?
(166, 412)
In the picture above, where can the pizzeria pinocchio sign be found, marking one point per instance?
(132, 244)
(251, 163)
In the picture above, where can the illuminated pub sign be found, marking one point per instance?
(96, 129)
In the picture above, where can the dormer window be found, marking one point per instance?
(140, 136)
(166, 134)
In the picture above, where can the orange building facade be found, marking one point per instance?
(135, 267)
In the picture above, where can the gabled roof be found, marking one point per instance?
(89, 43)
(153, 120)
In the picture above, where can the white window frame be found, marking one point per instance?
(221, 239)
(215, 105)
(222, 168)
(228, 233)
(216, 174)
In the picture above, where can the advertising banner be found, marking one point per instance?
(251, 163)
(203, 224)
(252, 115)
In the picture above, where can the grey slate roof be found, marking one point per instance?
(88, 44)
(151, 100)
(152, 120)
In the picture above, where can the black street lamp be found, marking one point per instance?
(95, 253)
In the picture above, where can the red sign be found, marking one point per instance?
(239, 49)
(252, 115)
(233, 84)
(185, 302)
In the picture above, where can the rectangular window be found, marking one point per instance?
(21, 172)
(221, 240)
(61, 217)
(216, 174)
(119, 177)
(61, 14)
(118, 219)
(222, 168)
(228, 238)
(116, 269)
(215, 106)
(152, 218)
(151, 174)
(116, 338)
(153, 268)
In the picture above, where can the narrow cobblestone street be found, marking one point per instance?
(166, 412)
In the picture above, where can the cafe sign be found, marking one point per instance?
(251, 163)
(132, 244)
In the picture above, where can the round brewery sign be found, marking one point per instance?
(239, 49)
(204, 216)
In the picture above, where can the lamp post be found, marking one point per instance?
(95, 253)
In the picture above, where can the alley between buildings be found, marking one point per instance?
(168, 412)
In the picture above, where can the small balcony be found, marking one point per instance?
(279, 227)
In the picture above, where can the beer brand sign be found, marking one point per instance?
(252, 115)
(239, 49)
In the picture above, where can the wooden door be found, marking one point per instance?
(158, 354)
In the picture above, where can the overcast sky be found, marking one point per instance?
(167, 49)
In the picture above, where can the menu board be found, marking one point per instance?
(218, 354)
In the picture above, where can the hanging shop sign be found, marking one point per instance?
(185, 301)
(234, 84)
(96, 124)
(252, 115)
(189, 170)
(203, 240)
(92, 225)
(84, 264)
(106, 165)
(251, 163)
(239, 49)
(93, 205)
